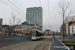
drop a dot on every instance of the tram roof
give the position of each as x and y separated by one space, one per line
37 30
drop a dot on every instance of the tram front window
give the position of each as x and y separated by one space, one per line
34 34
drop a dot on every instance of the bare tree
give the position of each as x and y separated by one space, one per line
13 19
18 21
64 7
10 21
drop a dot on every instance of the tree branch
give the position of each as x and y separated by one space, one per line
60 13
18 21
67 6
10 21
69 13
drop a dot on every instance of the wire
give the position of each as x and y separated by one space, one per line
48 9
54 19
49 14
42 8
10 6
16 7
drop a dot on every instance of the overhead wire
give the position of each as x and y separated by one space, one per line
16 6
48 10
49 14
11 7
42 9
54 19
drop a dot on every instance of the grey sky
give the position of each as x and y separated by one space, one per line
49 21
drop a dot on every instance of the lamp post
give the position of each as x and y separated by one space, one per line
72 30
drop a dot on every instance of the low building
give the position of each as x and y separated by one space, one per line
67 23
63 28
20 29
26 28
72 28
48 32
6 28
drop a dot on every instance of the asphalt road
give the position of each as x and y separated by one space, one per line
12 39
42 44
57 45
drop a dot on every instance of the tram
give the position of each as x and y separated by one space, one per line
36 34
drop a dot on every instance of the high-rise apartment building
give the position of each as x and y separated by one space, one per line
34 15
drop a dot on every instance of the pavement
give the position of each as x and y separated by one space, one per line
42 44
7 40
57 45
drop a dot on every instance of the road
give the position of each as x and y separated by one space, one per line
12 39
42 44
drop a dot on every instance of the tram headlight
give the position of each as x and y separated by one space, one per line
33 36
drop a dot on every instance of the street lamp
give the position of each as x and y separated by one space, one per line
72 30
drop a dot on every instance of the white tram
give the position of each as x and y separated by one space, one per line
36 34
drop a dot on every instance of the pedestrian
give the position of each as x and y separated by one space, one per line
53 34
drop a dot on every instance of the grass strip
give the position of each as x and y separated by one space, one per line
72 42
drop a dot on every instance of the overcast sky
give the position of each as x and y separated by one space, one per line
51 20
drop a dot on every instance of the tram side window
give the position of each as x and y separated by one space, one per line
38 33
34 33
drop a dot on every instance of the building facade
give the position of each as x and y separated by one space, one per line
63 29
26 28
6 28
72 28
67 21
34 15
0 25
48 32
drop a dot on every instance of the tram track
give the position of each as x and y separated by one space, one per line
43 45
29 45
